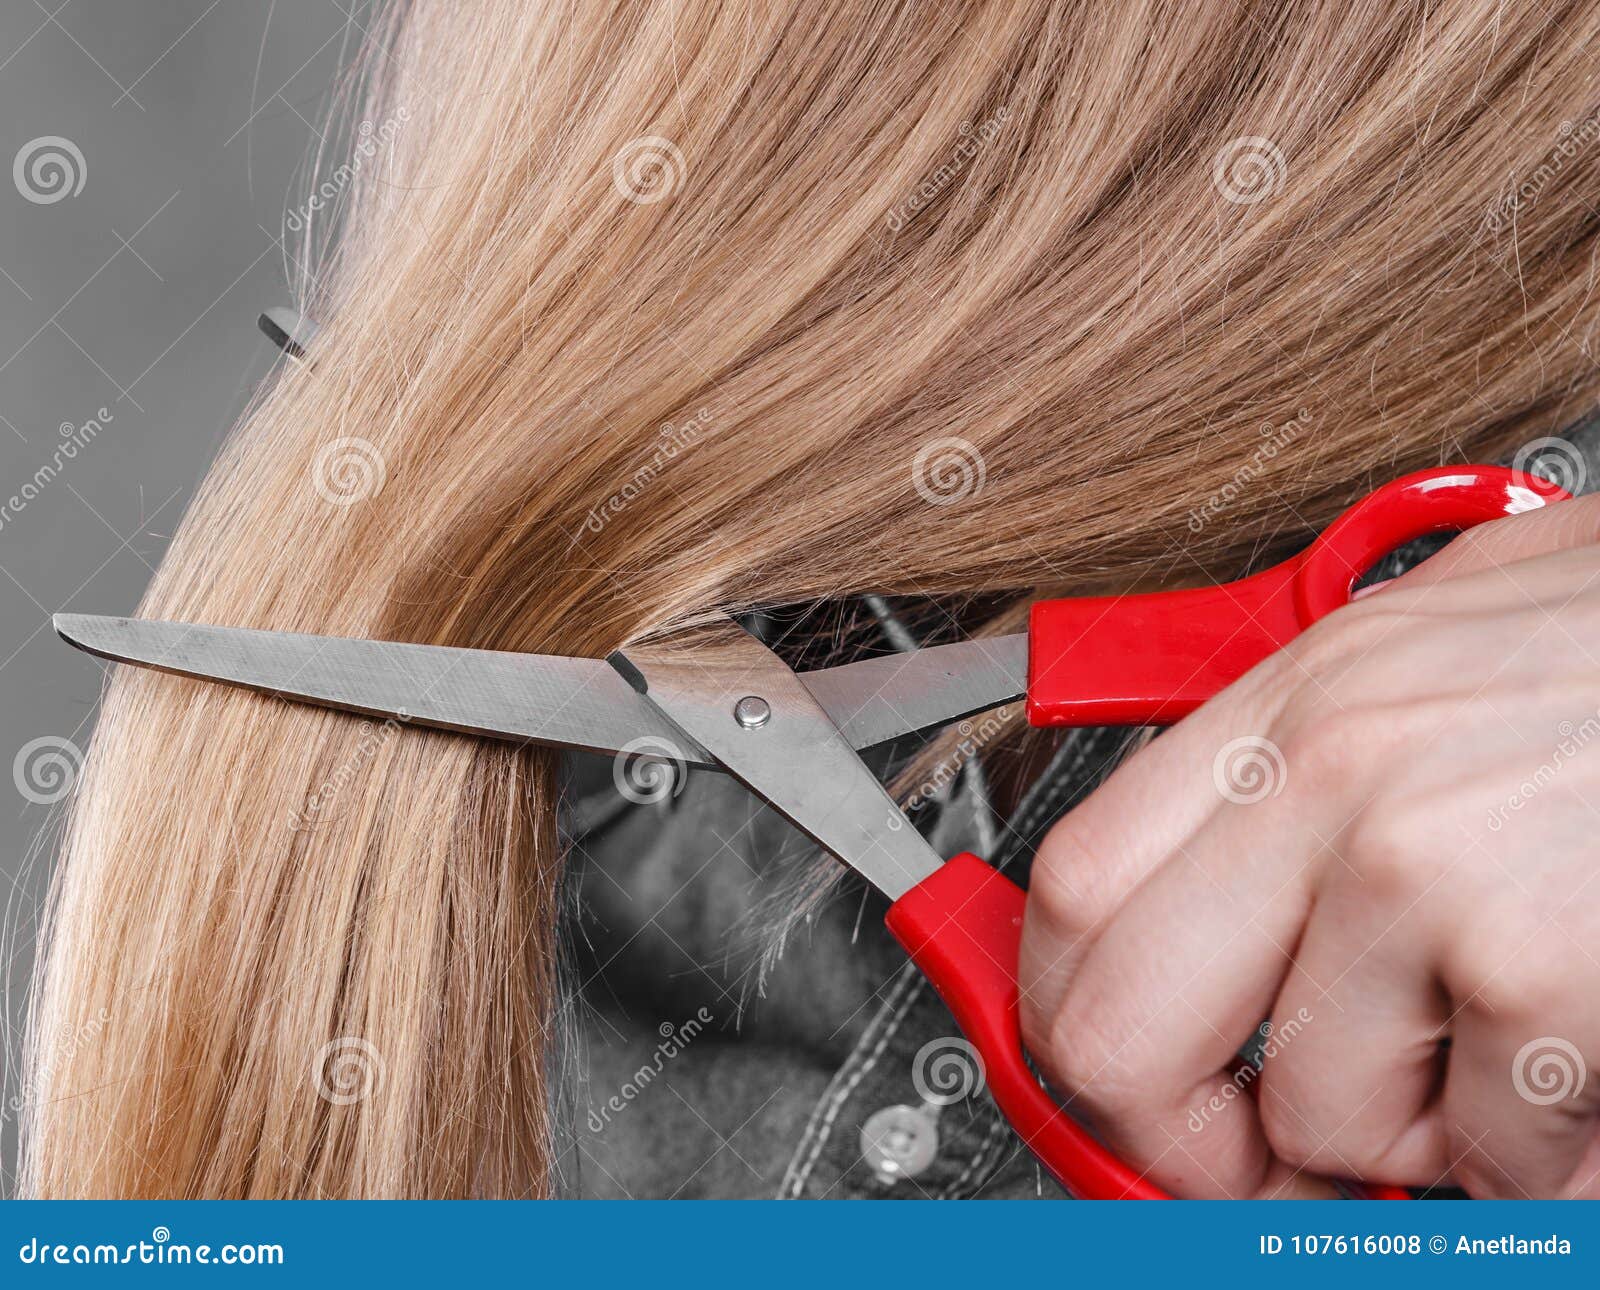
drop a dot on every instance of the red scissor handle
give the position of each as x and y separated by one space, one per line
1152 659
962 926
1149 660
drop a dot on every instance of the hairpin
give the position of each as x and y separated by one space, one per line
290 331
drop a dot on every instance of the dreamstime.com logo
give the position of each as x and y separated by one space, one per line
75 438
948 470
1248 170
975 735
1274 439
49 169
648 169
648 769
674 1039
1249 769
369 139
1548 1070
51 1058
675 439
348 1070
972 141
1573 740
160 1250
1571 140
349 470
947 1070
371 739
1555 460
46 769
1273 1040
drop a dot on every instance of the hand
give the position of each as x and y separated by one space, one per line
1386 840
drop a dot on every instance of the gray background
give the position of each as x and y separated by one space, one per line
137 294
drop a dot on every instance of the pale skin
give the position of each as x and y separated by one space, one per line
1427 869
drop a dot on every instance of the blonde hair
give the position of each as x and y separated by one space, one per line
647 311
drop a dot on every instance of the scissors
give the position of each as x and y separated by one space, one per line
795 738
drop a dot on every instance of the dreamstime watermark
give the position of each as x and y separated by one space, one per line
674 439
1274 439
1572 740
370 138
674 1039
160 1250
48 169
1249 769
948 470
975 735
947 1070
347 471
1548 1070
1248 170
348 1070
1570 141
1555 460
74 439
46 769
648 169
973 139
371 739
649 769
52 1059
1272 1040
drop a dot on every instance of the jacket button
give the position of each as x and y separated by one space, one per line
899 1142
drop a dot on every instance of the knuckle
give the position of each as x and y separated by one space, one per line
1506 986
1093 1063
1329 735
1393 847
1319 1130
1497 972
1291 1136
1325 645
1477 1170
1327 745
1481 1180
1068 886
1330 644
1061 874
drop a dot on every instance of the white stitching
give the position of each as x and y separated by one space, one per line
997 1128
908 988
845 1080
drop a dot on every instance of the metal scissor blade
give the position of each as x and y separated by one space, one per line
878 699
565 702
767 729
548 699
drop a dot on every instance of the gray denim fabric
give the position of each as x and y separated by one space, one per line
770 1096
690 1072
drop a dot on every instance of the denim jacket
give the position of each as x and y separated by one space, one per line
699 1063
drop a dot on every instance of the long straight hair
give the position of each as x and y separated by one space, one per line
642 312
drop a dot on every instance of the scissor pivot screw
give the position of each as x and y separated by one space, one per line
752 712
